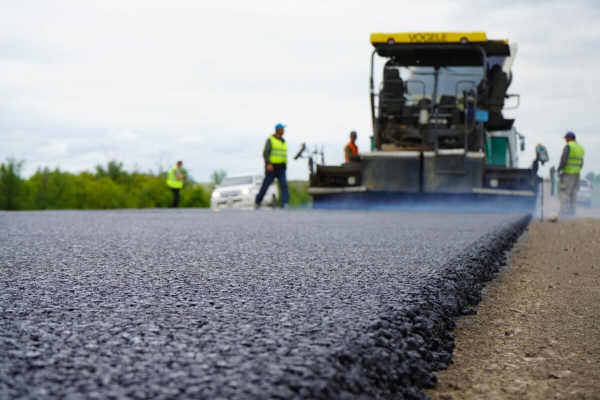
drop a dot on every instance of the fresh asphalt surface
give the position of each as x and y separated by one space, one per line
197 304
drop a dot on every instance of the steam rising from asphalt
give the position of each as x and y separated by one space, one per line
428 203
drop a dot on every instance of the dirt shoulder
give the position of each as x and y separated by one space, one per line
536 334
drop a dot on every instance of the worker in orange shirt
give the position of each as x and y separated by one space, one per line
351 149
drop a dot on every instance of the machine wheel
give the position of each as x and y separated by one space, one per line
273 203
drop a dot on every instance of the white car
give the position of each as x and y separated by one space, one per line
584 196
239 191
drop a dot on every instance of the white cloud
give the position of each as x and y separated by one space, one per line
190 140
124 134
57 148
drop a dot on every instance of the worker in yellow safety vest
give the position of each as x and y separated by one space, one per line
175 179
275 156
569 168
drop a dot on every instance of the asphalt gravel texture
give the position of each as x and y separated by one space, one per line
175 304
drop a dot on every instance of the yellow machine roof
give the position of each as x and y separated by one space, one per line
438 48
430 37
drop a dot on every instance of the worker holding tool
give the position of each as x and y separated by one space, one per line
175 179
351 149
275 155
569 168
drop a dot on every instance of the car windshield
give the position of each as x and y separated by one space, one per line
583 184
238 180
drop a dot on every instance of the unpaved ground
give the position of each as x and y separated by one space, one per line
537 332
551 204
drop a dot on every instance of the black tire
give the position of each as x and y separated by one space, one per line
273 202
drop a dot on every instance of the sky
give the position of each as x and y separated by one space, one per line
151 82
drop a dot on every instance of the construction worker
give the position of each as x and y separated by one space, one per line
351 149
175 179
275 156
569 168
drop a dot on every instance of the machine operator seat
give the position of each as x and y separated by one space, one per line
392 93
498 86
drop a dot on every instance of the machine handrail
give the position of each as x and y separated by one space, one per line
518 96
463 81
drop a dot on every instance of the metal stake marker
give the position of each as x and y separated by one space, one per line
542 206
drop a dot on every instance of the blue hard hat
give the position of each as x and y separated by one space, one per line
570 135
279 126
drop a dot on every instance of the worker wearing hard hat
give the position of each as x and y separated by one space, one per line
175 178
275 156
569 168
351 149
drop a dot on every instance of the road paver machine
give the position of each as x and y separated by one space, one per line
439 132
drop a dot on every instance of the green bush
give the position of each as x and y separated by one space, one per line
108 187
299 197
195 195
11 185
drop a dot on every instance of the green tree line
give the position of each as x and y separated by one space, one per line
107 187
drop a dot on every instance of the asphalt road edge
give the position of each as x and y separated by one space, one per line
398 355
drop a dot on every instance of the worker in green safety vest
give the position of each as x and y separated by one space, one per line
175 179
275 156
569 168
